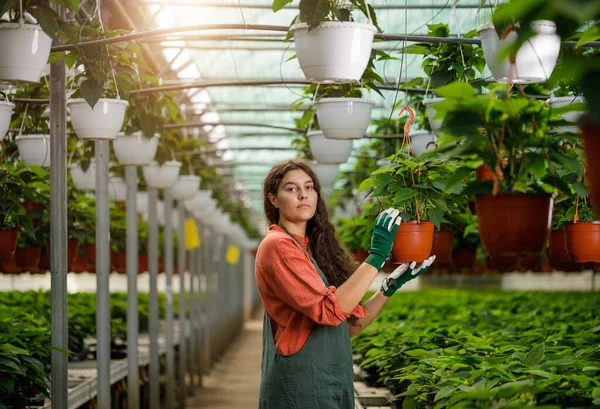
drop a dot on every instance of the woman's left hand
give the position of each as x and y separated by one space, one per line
403 274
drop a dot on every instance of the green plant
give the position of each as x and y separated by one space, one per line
506 132
102 71
415 186
356 232
314 12
12 214
118 229
81 217
32 118
41 10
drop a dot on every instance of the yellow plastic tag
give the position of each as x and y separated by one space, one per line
192 239
233 254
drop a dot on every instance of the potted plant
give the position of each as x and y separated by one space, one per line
6 108
188 183
142 246
163 173
444 64
33 139
103 81
508 134
25 44
331 47
415 186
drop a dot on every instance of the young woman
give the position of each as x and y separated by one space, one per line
311 289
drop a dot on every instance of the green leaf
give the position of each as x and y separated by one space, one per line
366 184
403 194
91 91
580 189
8 384
314 11
535 356
410 403
279 4
47 18
456 90
435 216
444 392
417 353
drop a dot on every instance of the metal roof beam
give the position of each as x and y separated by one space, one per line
269 6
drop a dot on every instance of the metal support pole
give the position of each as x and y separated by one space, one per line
204 254
181 264
58 232
102 276
199 333
153 302
170 392
133 380
193 321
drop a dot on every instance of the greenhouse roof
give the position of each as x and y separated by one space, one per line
244 55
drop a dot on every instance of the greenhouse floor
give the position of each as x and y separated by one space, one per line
235 380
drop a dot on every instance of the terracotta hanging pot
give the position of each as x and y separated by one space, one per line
463 258
8 244
413 242
72 248
591 137
10 267
119 261
33 206
443 241
514 225
558 247
28 259
80 264
583 241
44 264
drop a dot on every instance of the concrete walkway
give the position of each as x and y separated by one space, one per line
234 383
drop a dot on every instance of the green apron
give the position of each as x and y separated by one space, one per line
319 376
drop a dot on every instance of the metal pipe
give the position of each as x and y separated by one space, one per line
199 335
164 31
193 323
181 264
204 335
168 251
292 7
220 83
198 124
133 380
153 302
58 233
102 276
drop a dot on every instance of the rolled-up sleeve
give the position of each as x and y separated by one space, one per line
298 284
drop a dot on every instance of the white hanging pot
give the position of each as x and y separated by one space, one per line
559 102
344 118
135 149
25 49
161 177
6 108
534 61
329 150
102 122
327 174
436 124
422 141
34 149
117 189
84 180
141 201
202 199
333 52
186 187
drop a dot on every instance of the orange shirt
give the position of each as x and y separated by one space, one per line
292 291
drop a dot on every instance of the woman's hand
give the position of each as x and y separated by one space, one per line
382 240
403 274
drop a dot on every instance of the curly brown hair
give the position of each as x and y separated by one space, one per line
325 244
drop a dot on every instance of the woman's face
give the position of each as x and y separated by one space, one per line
296 197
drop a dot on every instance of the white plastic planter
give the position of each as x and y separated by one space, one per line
84 180
186 187
329 150
117 189
161 177
422 141
534 61
201 200
327 174
559 102
102 122
333 52
25 49
6 108
34 149
135 149
435 124
344 118
142 202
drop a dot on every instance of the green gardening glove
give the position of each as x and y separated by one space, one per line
382 240
403 274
